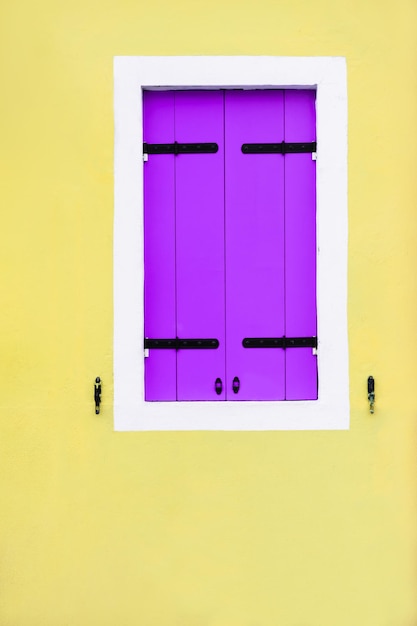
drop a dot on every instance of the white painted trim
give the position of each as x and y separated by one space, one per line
328 76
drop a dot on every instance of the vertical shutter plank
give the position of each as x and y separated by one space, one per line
300 245
199 117
159 242
254 244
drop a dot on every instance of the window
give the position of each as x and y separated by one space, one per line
228 83
230 245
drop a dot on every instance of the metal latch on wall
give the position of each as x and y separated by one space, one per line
97 394
371 394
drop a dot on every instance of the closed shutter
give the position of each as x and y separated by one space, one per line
300 246
230 245
200 244
159 248
255 244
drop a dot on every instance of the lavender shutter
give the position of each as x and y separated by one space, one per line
184 245
159 244
254 245
200 243
230 248
300 246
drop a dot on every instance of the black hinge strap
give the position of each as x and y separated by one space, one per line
182 344
280 342
180 148
278 148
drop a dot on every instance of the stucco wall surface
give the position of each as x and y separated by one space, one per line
197 528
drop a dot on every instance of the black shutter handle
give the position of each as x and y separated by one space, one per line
218 386
236 384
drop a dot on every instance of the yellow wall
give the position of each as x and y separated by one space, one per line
197 529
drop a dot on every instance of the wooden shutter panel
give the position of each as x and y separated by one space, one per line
254 244
300 246
230 245
184 245
159 246
200 243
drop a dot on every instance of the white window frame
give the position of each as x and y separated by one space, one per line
328 76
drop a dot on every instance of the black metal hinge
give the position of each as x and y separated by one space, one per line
280 342
180 148
182 344
278 148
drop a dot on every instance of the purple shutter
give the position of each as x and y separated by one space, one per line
300 246
184 245
200 243
254 244
230 245
159 244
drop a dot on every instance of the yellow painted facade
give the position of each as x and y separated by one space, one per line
195 528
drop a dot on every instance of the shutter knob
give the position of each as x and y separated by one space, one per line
236 384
